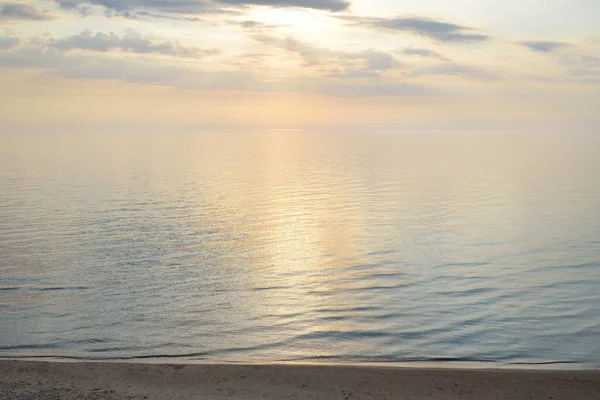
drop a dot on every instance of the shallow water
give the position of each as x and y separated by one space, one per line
301 246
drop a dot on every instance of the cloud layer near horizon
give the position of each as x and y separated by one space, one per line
322 47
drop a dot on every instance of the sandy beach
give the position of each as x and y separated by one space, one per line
94 380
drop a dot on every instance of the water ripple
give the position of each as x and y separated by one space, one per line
402 248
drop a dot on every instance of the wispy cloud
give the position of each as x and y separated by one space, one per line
128 8
328 5
422 26
177 8
385 89
542 46
23 11
251 25
95 63
332 63
131 42
453 69
145 15
98 65
581 62
10 39
415 51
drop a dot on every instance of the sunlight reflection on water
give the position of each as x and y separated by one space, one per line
301 246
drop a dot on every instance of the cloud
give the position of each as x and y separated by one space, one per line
150 15
453 70
389 89
541 46
327 5
22 11
311 54
10 39
162 8
581 64
422 26
131 42
251 25
331 63
576 65
81 7
376 60
569 62
369 64
413 51
148 8
97 65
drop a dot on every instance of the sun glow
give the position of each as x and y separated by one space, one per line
293 20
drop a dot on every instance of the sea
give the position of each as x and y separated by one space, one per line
283 245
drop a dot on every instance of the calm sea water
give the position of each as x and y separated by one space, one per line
295 245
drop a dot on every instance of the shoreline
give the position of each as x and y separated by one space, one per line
28 379
421 364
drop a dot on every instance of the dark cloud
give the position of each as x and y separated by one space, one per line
160 8
81 7
541 46
437 30
131 42
22 11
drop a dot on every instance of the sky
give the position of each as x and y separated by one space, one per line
410 64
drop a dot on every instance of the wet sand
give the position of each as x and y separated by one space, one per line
94 380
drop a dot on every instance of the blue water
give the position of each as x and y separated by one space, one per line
301 245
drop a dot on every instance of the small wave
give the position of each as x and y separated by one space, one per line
339 360
53 345
44 289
